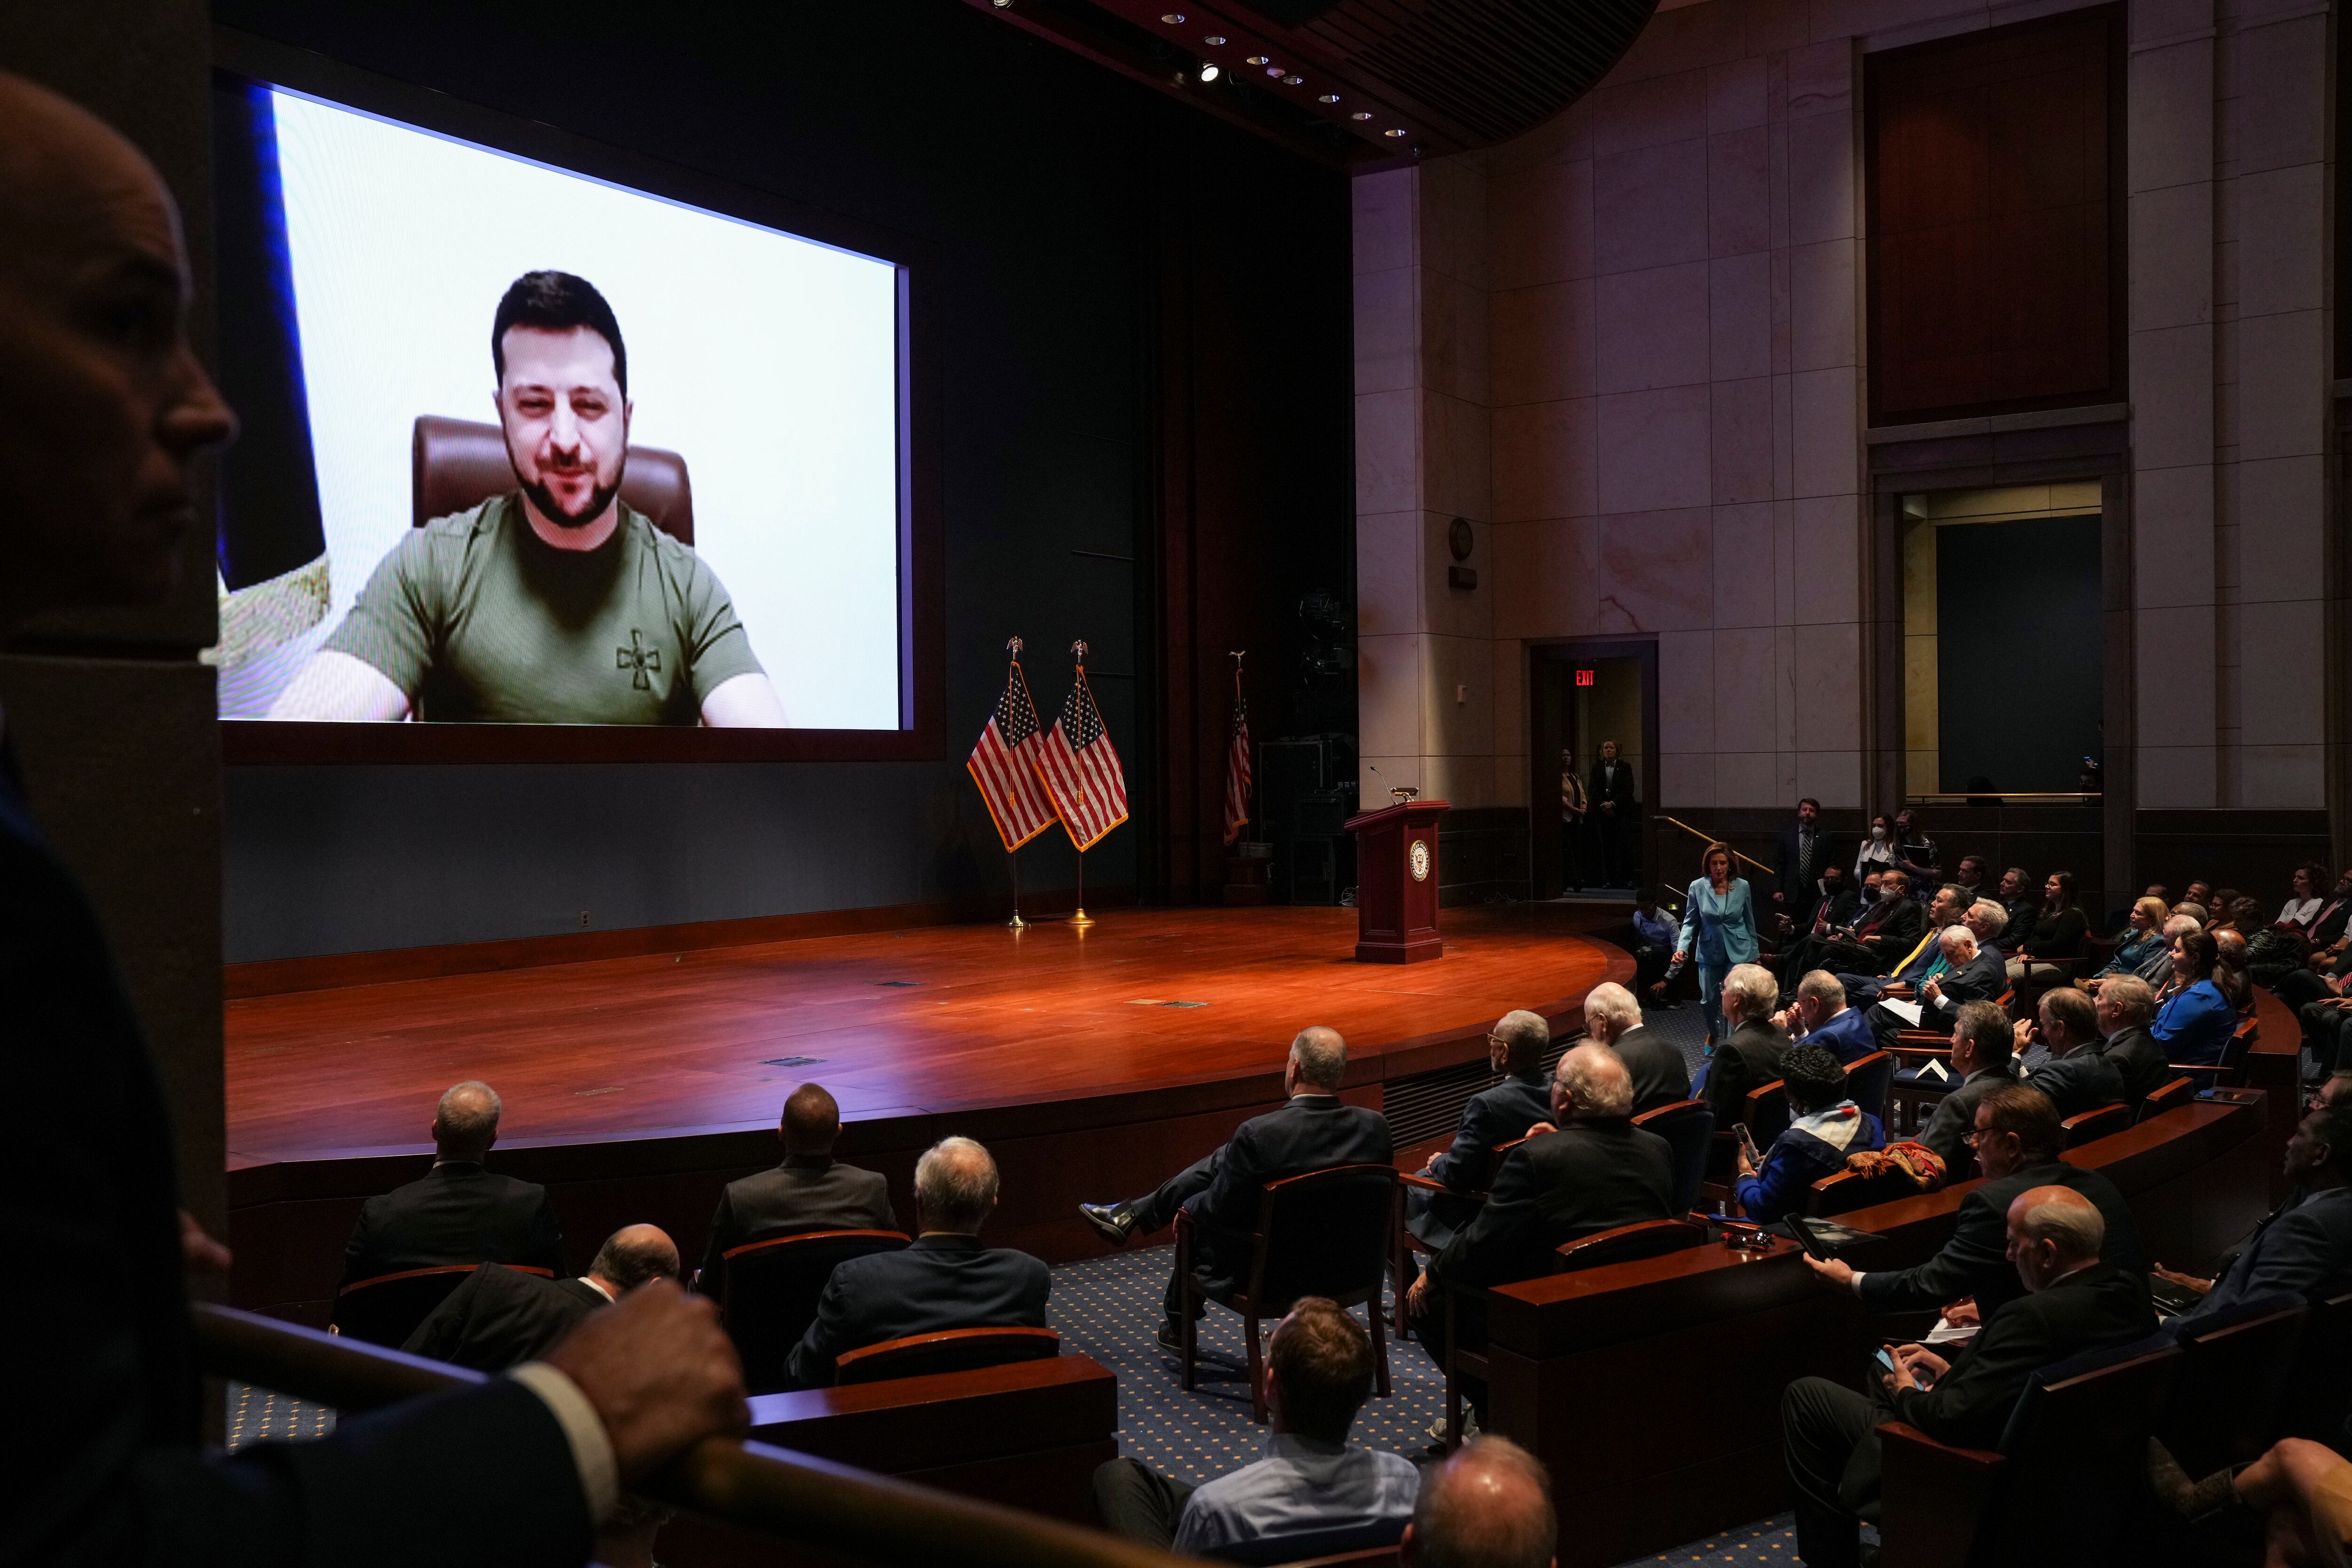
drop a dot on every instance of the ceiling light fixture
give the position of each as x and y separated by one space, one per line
1208 70
1292 80
1362 114
1328 97
1214 39
1257 60
1173 18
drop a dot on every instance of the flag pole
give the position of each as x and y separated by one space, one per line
1013 857
1081 920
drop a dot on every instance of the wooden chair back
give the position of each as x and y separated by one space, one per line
2084 1126
1325 1232
768 1290
1848 1190
1870 1083
1626 1243
2224 1404
2166 1097
1766 1112
2077 1450
947 1350
385 1309
1688 1126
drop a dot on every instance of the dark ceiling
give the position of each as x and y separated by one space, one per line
1356 83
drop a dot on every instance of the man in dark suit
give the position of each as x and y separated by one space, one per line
1888 927
2076 1303
2078 1077
810 1191
1596 1172
1219 1190
1613 1018
1490 1117
2017 1142
1925 959
1611 813
945 1280
2305 1247
457 1211
2126 1006
499 1318
1978 1062
1803 855
1973 972
106 402
1820 1016
1750 1057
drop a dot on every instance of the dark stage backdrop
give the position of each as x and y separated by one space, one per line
1144 439
2019 665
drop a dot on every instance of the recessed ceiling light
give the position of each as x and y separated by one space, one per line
1398 132
1292 80
1257 60
1213 39
1208 70
1362 114
1003 5
1173 18
1328 97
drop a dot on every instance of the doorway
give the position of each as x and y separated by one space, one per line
1592 713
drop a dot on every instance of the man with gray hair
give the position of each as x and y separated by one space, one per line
1490 1117
1489 1505
1594 1172
1313 1131
457 1211
945 1280
1613 1018
1820 1016
1749 1057
2075 1304
1974 971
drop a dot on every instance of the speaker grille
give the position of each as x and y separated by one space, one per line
1429 1104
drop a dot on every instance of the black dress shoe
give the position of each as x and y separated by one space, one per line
1170 1340
1115 1223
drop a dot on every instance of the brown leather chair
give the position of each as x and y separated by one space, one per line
458 463
1402 1265
2167 1097
950 1350
2084 1126
385 1309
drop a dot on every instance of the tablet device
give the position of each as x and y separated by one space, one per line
1808 1238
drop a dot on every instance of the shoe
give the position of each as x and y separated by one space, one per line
1115 1223
1170 1340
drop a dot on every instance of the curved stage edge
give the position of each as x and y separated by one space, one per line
1092 1064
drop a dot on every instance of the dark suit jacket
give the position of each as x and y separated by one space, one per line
1493 1116
116 1476
1311 1132
2022 916
1590 1177
1837 912
2085 1081
940 1282
1893 927
2098 1307
458 1213
1948 1130
1660 1077
2303 1249
2334 916
1980 979
499 1318
792 1199
1749 1059
1619 789
1800 891
2140 1060
1975 1260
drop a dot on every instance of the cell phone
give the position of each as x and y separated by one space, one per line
1885 1360
1746 1142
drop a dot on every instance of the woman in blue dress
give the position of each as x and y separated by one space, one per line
1718 929
2194 1021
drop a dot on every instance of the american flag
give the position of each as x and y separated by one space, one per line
1080 766
1006 762
1237 769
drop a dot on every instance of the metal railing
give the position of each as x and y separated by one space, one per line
1711 838
771 1491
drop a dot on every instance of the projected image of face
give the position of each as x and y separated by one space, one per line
561 398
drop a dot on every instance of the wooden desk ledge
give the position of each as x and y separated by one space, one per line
905 1424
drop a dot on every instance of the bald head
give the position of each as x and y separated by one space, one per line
2052 1232
633 1254
1591 1081
1319 1058
1488 1506
466 1123
99 391
955 1186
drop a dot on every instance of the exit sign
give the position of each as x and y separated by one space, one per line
1584 678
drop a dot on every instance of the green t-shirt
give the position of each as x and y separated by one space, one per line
476 618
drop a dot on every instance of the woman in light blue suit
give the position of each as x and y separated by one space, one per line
1718 929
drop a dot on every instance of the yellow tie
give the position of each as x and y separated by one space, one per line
1932 935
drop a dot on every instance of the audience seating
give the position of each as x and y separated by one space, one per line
2084 1126
1359 1545
2319 1385
1850 1190
387 1309
1688 1126
1870 1083
2230 1070
768 1292
1403 1260
947 1350
2224 1404
2057 1491
1765 1113
1628 1243
1324 1233
2164 1097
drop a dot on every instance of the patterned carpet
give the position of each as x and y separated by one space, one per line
1107 1307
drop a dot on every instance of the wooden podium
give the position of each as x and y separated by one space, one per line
1396 883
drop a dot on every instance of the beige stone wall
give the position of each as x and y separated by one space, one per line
1667 418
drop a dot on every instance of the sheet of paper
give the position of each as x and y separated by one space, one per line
1907 1011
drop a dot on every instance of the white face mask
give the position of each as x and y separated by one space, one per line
1877 835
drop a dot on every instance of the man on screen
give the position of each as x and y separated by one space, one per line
556 603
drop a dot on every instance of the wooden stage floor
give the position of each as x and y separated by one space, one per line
931 1022
636 1088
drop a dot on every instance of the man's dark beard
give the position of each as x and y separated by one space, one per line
544 500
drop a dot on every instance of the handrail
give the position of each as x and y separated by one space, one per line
771 1491
1711 838
1947 797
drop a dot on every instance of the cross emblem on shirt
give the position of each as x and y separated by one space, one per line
637 657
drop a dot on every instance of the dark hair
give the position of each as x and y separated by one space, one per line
556 302
1986 1028
629 1264
2030 1115
2202 950
1978 861
2065 881
1805 801
2320 881
1816 1079
2335 1131
812 1120
1322 1364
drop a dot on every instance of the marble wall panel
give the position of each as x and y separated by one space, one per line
2282 690
1740 436
2286 210
1686 691
1739 191
2281 522
2176 778
1652 327
1736 95
1382 213
1746 780
1821 183
1686 783
1453 232
1739 317
1545 459
1546 343
2171 282
1651 449
1649 112
1388 451
1457 453
1826 536
2169 109
1454 337
1747 707
2280 113
1388 574
2172 537
1445 609
1389 688
1829 686
1387 354
1834 778
1656 570
1821 301
2279 778
2173 664
1541 224
1743 547
1649 207
2282 391
1819 77
1826 414
2172 397
1546 578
